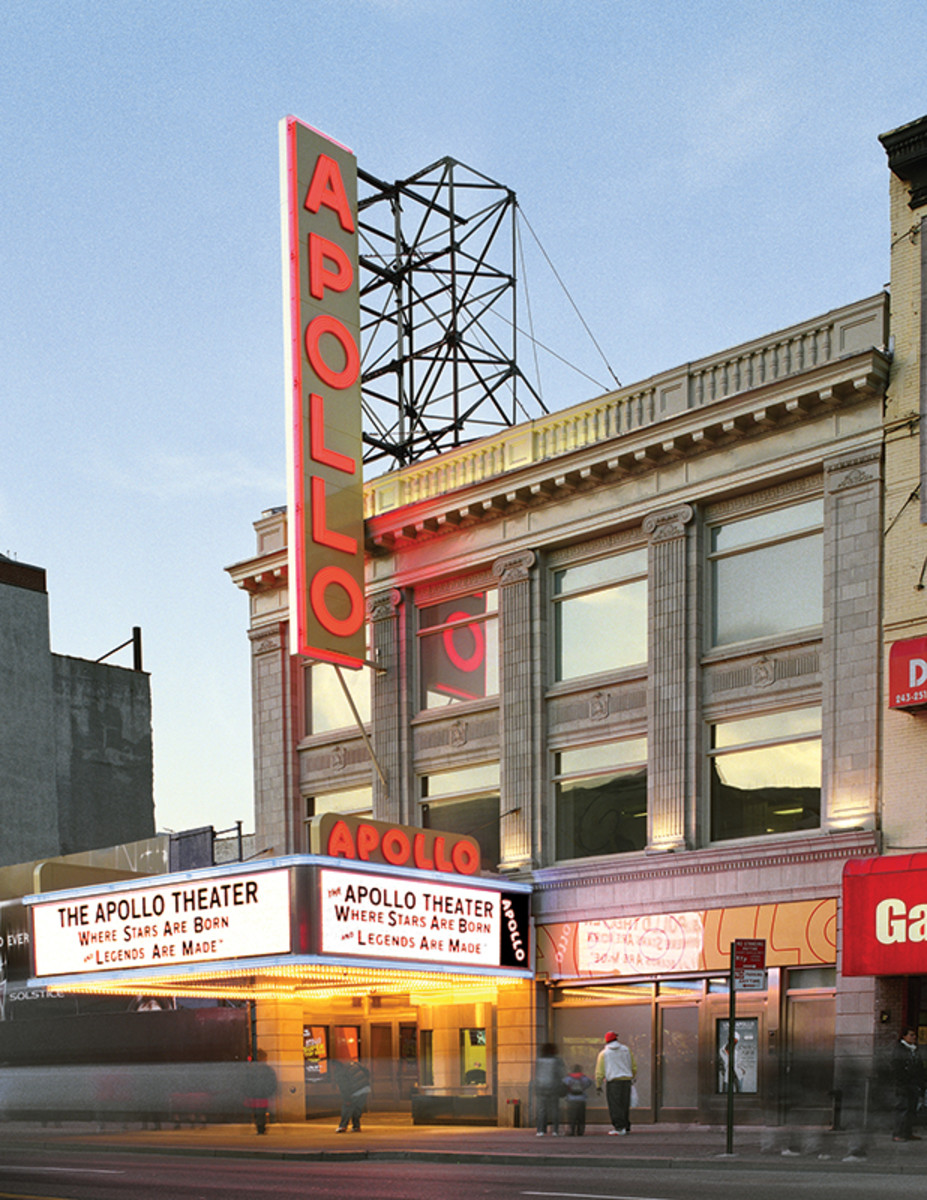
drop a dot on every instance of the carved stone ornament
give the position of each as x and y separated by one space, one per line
764 672
515 568
338 758
854 470
384 604
668 524
598 706
267 645
457 734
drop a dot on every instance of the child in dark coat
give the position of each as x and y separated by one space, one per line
576 1084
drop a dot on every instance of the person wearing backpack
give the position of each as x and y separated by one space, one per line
576 1084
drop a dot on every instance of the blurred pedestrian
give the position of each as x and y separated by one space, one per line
260 1088
616 1068
549 1071
908 1079
353 1082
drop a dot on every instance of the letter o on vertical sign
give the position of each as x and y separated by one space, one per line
332 576
347 376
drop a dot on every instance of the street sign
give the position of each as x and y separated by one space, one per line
749 957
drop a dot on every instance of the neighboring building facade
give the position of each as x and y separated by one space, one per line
634 649
75 737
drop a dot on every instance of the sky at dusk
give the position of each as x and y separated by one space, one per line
699 174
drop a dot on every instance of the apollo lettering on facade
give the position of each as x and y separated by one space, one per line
394 845
325 513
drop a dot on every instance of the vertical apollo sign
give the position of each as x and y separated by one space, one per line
322 310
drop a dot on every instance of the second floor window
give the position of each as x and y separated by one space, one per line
326 706
465 801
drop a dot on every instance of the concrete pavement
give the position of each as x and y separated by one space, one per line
391 1137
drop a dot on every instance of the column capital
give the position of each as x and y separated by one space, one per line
383 605
668 523
514 568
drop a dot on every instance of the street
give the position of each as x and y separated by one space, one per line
65 1175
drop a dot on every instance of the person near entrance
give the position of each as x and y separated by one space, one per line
352 1080
908 1077
548 1088
577 1083
616 1068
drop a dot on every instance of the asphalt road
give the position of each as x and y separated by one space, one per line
63 1175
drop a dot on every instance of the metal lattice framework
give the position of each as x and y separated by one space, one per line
438 313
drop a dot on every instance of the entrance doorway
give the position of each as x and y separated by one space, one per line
676 1091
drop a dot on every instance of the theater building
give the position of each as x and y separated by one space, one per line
631 648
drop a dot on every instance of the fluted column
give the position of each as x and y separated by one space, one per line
668 636
516 725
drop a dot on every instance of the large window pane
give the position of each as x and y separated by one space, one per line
604 814
769 591
476 817
600 614
459 650
327 706
771 788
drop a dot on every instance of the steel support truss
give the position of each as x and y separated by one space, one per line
438 313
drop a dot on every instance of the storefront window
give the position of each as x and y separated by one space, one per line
466 802
459 649
607 599
766 774
746 1054
767 574
601 796
326 705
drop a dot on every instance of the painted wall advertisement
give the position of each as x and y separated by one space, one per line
180 921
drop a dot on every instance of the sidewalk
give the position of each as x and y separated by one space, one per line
388 1136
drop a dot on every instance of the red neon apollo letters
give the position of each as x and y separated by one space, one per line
326 491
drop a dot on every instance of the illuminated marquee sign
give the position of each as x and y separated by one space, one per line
325 485
907 674
339 836
885 916
426 921
180 921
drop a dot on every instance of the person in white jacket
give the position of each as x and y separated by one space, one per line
616 1068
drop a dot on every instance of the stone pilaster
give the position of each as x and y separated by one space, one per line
387 708
668 636
278 824
517 724
852 643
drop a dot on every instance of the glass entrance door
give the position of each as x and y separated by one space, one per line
677 1062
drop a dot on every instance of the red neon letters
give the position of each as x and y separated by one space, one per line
402 848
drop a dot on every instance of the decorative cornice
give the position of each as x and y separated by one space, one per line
906 148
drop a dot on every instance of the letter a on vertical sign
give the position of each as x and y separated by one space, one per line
322 311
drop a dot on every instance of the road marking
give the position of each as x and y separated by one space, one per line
591 1196
69 1170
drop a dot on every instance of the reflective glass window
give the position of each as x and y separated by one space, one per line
608 599
459 649
766 774
601 799
767 574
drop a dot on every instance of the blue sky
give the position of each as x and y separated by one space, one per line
699 173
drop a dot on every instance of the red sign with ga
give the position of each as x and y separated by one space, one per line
885 915
907 674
